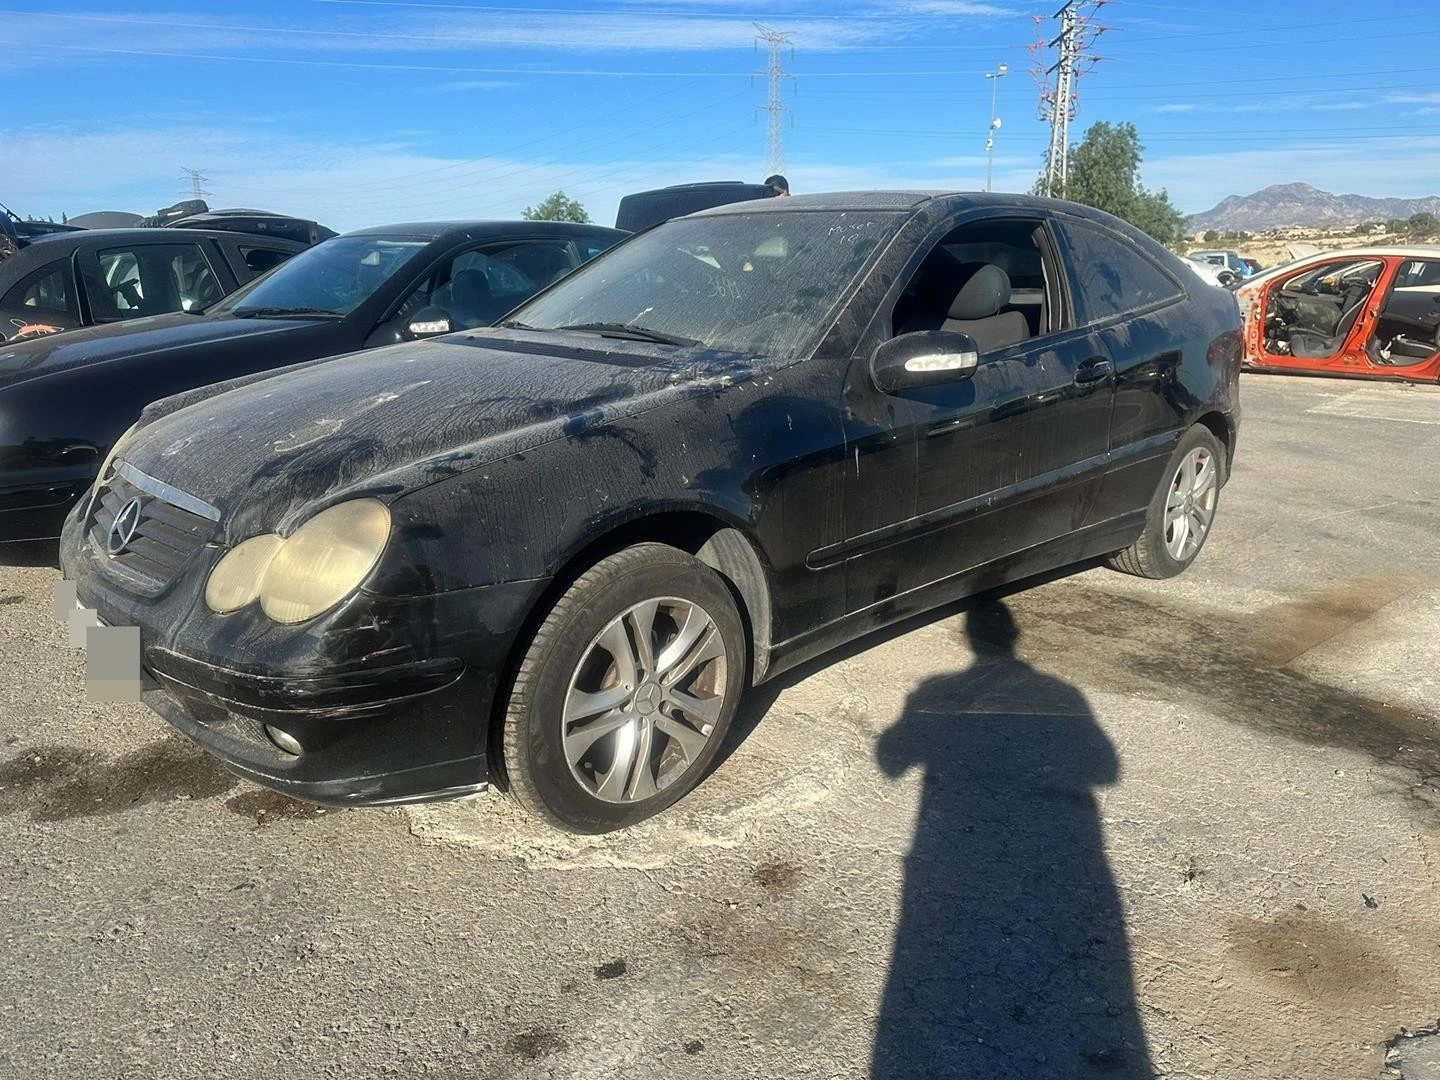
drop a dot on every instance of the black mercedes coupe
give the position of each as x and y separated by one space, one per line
65 398
554 554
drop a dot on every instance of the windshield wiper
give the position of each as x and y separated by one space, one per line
285 313
515 324
632 332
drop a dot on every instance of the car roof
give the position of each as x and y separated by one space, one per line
891 200
436 230
147 234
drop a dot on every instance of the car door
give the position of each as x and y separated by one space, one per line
1403 338
951 477
1126 299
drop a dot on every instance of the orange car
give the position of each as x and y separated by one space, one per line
1370 313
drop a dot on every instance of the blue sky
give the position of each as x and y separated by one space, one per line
358 112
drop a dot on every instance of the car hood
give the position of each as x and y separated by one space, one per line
36 358
389 421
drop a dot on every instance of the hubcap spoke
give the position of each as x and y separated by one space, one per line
690 741
579 742
710 647
1190 503
583 704
642 785
614 783
616 642
705 710
695 624
642 624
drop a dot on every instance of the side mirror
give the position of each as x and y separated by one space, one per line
429 322
924 358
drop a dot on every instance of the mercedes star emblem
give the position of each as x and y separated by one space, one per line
127 521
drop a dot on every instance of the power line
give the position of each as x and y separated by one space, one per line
775 75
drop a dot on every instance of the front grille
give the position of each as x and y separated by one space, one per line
172 526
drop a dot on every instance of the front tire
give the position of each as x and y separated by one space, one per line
1181 512
626 691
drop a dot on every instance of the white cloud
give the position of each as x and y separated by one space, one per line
350 184
1413 99
1177 107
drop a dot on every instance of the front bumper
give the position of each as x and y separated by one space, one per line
388 700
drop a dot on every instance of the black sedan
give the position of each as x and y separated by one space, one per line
72 279
555 553
64 399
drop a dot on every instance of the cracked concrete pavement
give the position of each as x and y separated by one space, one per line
1185 828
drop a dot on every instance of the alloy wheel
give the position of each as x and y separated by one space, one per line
644 700
1190 505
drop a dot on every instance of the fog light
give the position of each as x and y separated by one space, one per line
284 740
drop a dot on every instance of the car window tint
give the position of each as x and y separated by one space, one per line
153 279
589 247
43 291
1110 277
753 283
258 260
40 302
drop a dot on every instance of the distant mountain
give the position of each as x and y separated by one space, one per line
1282 205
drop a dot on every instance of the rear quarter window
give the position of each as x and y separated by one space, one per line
1110 277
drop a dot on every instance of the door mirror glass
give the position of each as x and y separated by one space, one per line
428 322
923 358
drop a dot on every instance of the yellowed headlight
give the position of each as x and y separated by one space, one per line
324 560
235 581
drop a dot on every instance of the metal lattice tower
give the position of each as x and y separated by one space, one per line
774 74
197 183
1059 101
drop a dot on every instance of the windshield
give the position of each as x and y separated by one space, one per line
756 283
335 277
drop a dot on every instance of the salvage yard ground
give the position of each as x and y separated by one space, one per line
1205 810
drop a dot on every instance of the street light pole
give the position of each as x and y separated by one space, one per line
994 77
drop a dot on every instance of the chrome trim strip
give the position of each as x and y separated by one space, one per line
173 495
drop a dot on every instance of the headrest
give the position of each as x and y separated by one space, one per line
470 284
987 291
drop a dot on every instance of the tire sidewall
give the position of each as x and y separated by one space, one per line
570 629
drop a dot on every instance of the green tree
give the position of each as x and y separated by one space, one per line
1422 224
1104 172
1211 236
558 207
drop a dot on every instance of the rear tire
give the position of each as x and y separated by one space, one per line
1181 512
625 692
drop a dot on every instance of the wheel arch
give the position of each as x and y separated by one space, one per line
711 536
1220 426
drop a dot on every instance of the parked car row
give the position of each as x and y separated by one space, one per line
65 398
554 553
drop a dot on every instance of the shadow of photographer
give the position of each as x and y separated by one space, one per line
1011 956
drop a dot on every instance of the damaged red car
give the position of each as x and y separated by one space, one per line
1369 313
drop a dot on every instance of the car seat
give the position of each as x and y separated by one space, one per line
976 311
1313 345
467 298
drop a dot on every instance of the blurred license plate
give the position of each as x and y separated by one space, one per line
112 653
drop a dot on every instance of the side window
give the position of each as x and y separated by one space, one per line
589 248
1110 277
154 279
989 279
43 292
258 259
478 286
